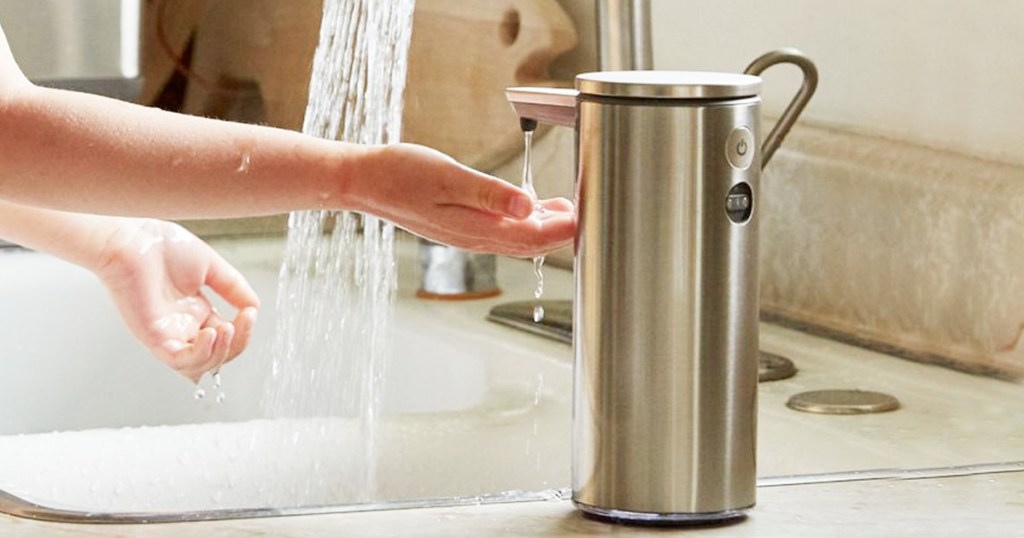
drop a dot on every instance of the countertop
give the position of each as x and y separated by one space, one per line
978 506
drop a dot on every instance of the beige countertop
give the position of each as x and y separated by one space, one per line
978 506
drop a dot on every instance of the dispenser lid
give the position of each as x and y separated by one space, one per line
668 84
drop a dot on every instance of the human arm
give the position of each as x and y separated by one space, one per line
158 275
78 152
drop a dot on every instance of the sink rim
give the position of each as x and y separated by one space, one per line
19 507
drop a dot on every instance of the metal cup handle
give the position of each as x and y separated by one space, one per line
799 102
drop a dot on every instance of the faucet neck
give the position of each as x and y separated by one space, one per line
624 35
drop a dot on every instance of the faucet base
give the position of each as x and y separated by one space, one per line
626 517
460 296
556 324
456 274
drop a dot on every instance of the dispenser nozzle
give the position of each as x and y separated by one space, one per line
556 106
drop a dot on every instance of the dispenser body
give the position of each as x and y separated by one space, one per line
666 316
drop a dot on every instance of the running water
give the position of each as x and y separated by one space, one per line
336 286
538 262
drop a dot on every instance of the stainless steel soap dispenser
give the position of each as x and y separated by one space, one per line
666 310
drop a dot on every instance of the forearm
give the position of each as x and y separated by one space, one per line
89 154
66 150
77 238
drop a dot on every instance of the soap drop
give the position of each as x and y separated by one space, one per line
538 210
527 182
538 292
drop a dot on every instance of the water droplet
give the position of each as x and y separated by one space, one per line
218 384
199 393
538 314
246 161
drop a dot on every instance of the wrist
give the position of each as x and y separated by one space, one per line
355 170
82 239
109 237
343 183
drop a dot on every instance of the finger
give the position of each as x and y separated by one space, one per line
551 228
473 230
557 204
552 232
229 283
188 359
221 348
528 238
222 344
244 322
491 195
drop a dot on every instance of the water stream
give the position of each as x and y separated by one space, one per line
337 282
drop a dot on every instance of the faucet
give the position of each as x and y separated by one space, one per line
454 273
103 60
624 35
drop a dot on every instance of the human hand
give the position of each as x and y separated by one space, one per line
156 271
430 194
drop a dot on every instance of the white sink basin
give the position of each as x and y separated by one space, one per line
94 423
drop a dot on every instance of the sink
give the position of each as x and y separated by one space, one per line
474 412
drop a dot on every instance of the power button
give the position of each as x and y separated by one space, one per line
740 148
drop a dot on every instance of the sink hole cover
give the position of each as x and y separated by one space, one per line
843 402
772 367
